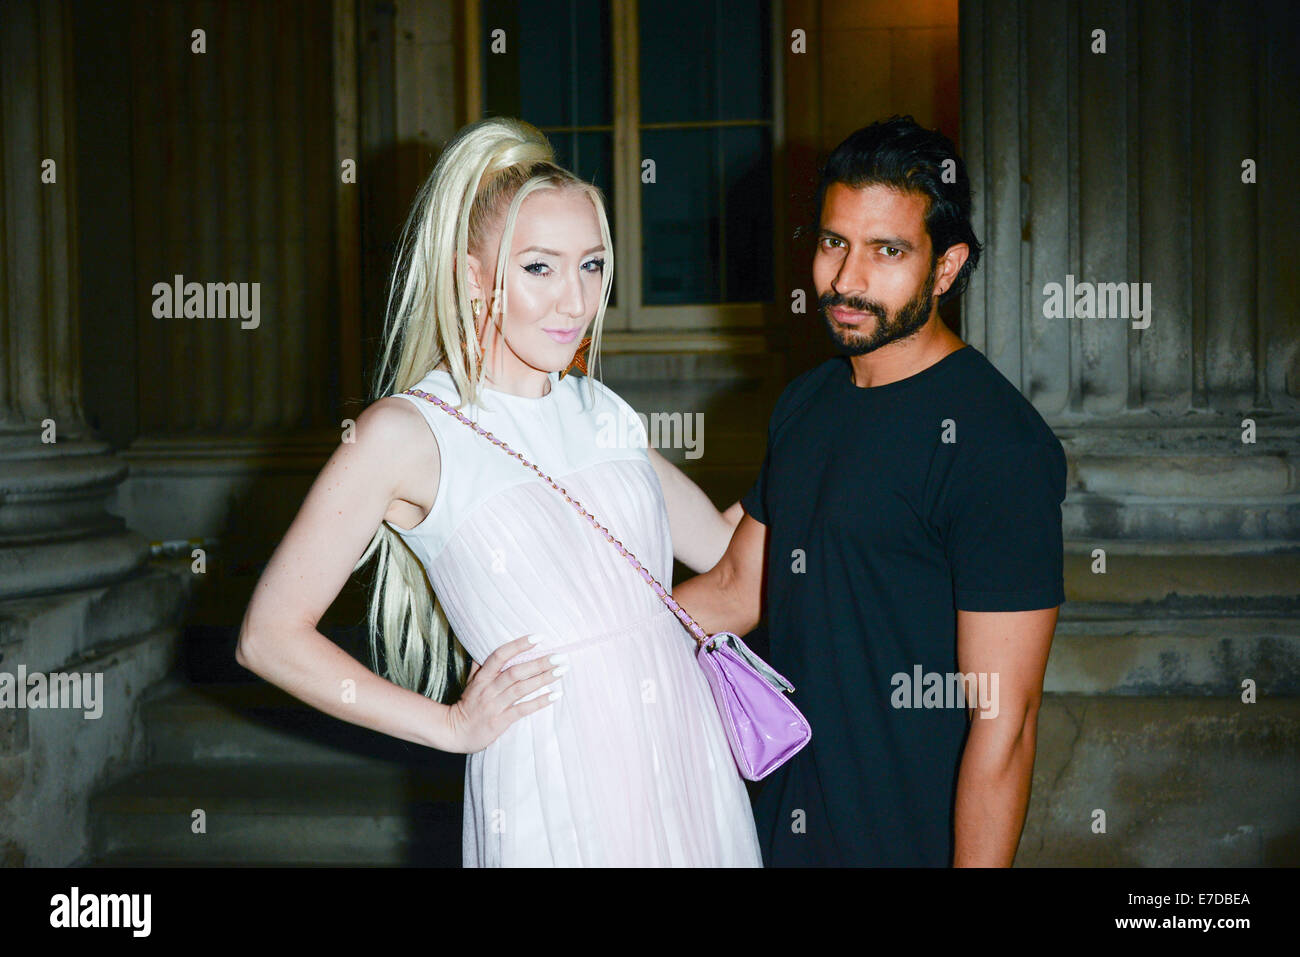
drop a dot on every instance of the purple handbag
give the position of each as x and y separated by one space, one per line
763 726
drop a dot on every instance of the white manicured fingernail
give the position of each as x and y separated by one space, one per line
559 671
559 659
554 695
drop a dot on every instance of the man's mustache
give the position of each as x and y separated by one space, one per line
851 302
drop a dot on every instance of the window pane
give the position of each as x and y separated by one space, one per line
679 218
705 61
555 70
747 205
707 218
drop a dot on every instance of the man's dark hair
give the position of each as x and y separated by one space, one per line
900 153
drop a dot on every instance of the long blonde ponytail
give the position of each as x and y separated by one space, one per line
489 164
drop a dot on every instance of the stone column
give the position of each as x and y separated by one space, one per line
235 180
76 595
1108 142
55 476
1152 143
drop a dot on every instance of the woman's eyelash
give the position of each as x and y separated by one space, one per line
533 267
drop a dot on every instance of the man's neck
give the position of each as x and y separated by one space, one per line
905 357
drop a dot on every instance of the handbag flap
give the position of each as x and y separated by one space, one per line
770 674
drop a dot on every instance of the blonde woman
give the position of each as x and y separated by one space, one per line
591 735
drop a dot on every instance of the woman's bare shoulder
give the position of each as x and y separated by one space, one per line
399 445
394 426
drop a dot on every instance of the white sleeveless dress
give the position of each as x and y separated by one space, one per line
631 766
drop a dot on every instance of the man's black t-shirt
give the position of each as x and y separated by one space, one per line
889 508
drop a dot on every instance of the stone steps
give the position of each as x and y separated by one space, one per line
1183 782
1208 656
280 814
257 722
1181 578
281 785
1157 518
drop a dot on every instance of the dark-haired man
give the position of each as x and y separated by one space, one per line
908 512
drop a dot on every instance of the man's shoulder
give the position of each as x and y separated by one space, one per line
992 412
801 390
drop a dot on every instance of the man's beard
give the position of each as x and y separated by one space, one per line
851 341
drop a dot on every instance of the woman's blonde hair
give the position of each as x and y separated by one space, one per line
482 177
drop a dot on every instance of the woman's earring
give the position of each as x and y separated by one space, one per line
476 305
579 358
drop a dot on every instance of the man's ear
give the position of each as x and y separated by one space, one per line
953 259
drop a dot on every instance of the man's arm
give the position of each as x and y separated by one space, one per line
1011 648
728 597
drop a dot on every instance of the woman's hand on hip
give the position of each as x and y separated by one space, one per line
491 701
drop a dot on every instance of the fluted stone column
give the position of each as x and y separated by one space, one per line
235 180
1151 142
1136 143
76 596
55 477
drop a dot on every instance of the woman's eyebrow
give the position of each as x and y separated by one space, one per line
555 252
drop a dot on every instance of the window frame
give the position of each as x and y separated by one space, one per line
720 326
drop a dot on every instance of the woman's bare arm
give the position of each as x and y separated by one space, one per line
733 515
699 531
391 469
